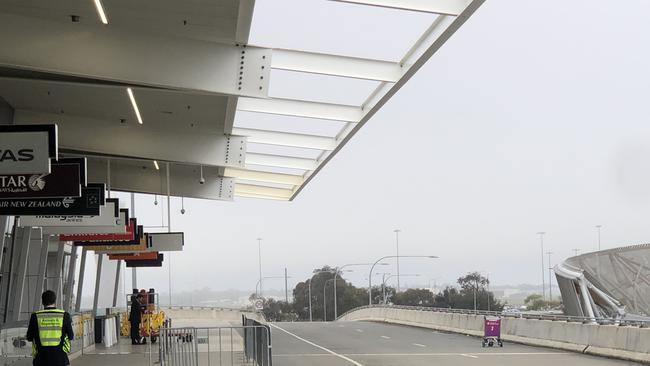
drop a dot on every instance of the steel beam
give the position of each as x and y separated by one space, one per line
321 63
142 177
255 191
260 176
287 139
82 272
17 289
58 279
280 161
42 272
430 42
133 58
446 7
116 289
98 277
301 108
90 136
69 283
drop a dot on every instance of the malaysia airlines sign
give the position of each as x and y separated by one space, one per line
27 149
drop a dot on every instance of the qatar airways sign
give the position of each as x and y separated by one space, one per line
27 149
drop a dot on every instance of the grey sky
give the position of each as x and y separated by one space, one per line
533 117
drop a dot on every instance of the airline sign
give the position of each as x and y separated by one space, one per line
65 180
92 197
111 248
132 235
166 242
146 263
27 149
134 256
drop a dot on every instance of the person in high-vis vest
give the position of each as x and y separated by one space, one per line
50 331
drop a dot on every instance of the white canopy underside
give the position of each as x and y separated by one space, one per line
258 115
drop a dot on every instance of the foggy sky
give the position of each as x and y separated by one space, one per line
533 117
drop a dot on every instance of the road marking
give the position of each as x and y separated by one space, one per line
466 355
359 330
341 326
385 337
317 346
419 345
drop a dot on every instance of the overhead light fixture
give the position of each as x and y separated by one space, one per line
100 11
134 104
155 163
202 180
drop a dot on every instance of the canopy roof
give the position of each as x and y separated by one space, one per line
169 83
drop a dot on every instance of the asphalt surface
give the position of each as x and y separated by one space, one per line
378 344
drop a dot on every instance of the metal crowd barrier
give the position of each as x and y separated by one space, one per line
522 315
234 346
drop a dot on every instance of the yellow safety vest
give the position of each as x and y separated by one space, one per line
50 330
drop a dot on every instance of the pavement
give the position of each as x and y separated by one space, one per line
379 344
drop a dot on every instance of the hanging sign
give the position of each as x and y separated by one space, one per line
134 256
146 263
65 180
92 197
166 242
109 220
27 149
131 236
111 248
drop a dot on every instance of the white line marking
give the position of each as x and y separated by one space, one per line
419 345
385 337
359 330
466 355
317 346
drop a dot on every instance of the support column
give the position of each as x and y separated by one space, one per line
134 270
58 279
100 259
4 224
21 270
42 273
69 283
117 282
82 270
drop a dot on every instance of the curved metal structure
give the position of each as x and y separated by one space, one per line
609 283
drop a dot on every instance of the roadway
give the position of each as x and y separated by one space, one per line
378 344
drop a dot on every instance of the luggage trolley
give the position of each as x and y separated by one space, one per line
492 331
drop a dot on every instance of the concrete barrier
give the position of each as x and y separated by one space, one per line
623 342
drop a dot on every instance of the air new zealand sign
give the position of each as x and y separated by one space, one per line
92 197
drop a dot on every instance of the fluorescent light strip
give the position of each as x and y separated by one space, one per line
135 105
155 163
100 11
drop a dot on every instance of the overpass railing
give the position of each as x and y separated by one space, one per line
521 315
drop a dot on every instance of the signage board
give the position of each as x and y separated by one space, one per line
131 236
27 149
134 256
109 215
146 263
110 248
259 304
65 180
92 197
166 242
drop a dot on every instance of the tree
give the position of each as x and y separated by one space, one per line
536 302
414 297
278 311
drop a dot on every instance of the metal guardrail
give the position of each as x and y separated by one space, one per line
199 307
522 315
235 345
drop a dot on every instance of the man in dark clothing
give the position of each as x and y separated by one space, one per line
50 331
135 316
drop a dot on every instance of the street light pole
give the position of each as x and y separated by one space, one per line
259 254
541 241
310 319
340 270
575 251
397 256
325 299
598 227
550 286
386 257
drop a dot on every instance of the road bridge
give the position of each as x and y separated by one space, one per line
346 343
